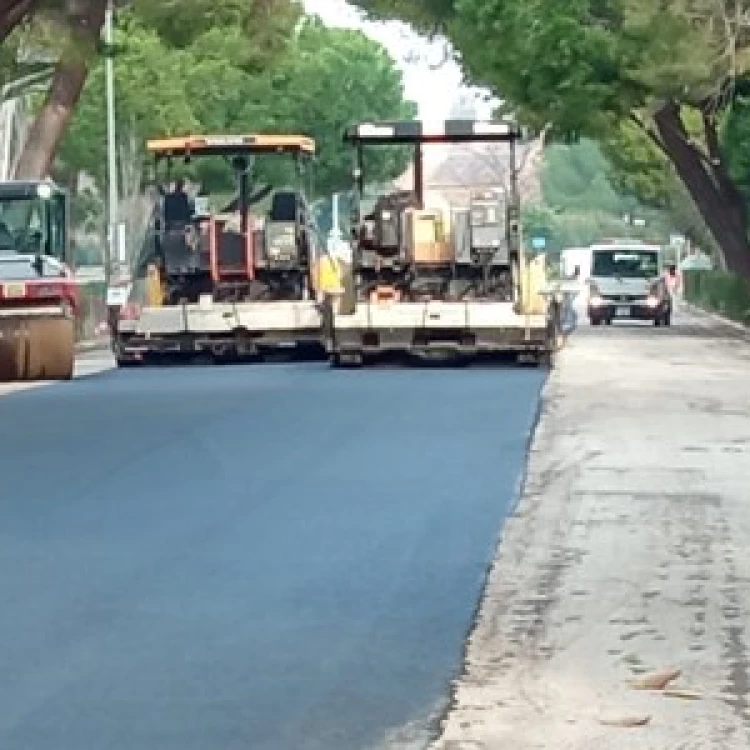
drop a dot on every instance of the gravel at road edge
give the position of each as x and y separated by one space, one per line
628 554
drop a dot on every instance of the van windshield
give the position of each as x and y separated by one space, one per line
625 263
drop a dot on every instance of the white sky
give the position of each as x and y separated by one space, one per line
433 90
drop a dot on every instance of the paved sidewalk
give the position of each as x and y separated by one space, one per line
629 554
90 345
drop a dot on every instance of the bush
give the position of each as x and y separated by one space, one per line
724 293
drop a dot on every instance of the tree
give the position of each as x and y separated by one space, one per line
78 24
575 178
152 99
735 136
265 25
323 80
178 78
432 16
333 78
580 204
13 13
588 66
83 21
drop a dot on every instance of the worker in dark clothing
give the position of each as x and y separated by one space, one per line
177 208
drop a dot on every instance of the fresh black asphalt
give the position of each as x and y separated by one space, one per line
278 557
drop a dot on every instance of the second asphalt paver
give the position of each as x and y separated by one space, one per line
627 555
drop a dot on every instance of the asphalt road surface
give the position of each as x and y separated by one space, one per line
277 557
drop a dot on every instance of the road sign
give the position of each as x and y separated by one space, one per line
538 242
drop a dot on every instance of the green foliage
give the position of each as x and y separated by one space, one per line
580 204
580 65
427 15
636 166
336 77
265 25
580 228
527 50
238 67
723 293
575 178
735 137
151 99
595 67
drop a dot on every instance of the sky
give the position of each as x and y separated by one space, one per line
420 82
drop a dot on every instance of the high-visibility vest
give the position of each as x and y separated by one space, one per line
329 277
154 288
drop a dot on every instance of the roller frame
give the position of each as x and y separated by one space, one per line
36 344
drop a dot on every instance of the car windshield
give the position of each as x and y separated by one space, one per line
626 263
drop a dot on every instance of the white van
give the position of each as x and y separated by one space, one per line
626 282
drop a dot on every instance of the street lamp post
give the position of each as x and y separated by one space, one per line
112 217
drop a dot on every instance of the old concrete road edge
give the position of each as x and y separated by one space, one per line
625 557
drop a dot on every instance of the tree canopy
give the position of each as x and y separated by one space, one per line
593 67
217 69
580 203
575 179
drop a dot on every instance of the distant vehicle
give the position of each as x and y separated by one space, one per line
572 258
626 282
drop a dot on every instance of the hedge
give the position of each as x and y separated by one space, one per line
717 291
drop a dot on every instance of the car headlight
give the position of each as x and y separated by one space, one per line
651 301
596 301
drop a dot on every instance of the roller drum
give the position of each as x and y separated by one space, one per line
34 349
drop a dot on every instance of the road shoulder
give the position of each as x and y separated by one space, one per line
89 361
627 555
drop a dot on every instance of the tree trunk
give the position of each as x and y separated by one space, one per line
52 120
12 13
715 197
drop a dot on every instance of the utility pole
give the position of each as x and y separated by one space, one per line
334 235
112 246
335 218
